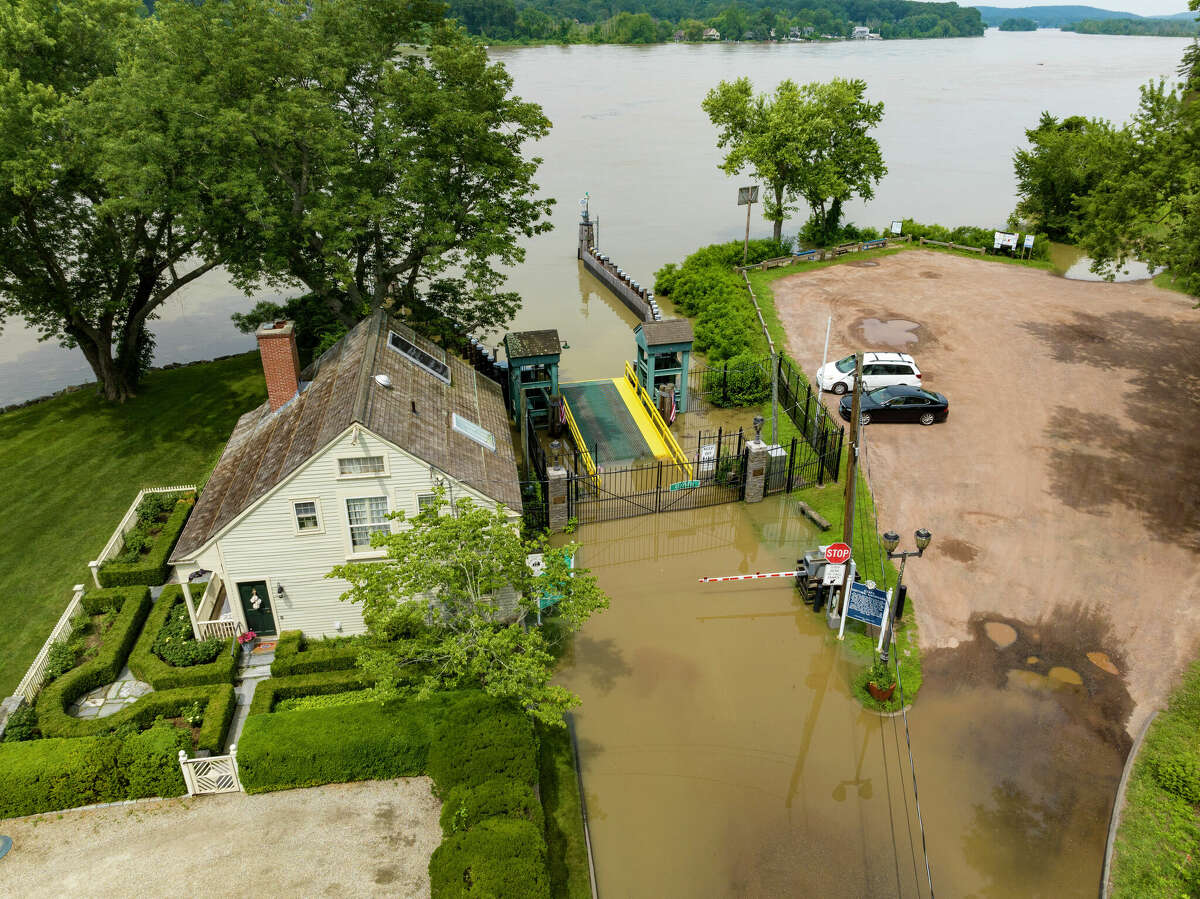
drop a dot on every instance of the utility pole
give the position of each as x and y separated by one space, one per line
851 473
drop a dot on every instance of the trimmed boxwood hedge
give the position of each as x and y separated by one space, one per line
47 775
273 689
367 741
479 739
499 857
103 668
152 568
163 675
294 655
465 806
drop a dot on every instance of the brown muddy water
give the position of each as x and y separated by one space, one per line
723 754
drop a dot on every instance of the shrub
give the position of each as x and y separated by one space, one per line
499 857
1174 760
970 236
150 761
169 616
360 742
327 701
21 725
60 660
104 667
45 775
479 739
296 655
744 380
149 566
466 806
271 691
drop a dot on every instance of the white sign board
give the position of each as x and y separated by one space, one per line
834 575
1029 241
897 227
1004 239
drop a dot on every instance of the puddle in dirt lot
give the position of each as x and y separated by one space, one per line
891 334
723 754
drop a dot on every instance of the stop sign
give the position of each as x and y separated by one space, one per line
837 553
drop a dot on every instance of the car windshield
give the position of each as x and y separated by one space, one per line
845 365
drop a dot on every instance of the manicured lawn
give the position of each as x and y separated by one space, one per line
73 464
1158 843
568 863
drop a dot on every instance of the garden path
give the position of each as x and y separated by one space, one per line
110 698
254 666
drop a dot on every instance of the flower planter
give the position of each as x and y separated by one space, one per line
880 694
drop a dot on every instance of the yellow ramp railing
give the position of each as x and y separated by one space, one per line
586 454
677 454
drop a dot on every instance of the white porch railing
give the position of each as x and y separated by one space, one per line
36 675
117 540
222 627
214 774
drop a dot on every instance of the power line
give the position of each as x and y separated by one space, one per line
912 766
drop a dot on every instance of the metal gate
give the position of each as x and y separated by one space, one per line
214 774
656 487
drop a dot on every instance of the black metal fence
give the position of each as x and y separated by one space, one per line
746 383
715 473
823 434
535 489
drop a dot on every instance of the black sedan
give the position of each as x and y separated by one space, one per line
898 404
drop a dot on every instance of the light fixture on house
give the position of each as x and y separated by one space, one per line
337 626
279 591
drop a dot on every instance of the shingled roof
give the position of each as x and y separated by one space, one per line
338 390
669 330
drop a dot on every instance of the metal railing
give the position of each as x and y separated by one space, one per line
678 456
35 677
117 540
581 446
222 627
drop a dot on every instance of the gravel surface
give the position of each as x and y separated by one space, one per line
363 839
1063 492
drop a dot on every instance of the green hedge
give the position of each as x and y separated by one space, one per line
360 742
466 806
499 857
971 236
47 775
162 675
103 668
295 655
273 689
479 739
151 568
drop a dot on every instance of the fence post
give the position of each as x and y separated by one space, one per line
188 780
837 459
725 382
807 404
717 464
658 489
791 464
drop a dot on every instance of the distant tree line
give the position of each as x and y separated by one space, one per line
659 21
1152 27
1018 25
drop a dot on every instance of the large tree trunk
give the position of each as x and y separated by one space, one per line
777 233
115 381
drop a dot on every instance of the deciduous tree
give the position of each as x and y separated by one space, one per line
434 616
809 142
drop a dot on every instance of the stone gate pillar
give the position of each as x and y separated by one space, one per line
756 471
556 499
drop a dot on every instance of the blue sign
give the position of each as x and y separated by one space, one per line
867 604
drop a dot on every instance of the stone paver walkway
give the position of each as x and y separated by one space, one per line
111 698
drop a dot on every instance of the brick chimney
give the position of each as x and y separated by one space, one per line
281 361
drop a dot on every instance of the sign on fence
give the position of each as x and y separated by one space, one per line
684 485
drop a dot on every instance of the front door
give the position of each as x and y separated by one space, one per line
256 605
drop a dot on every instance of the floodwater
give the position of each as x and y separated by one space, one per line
723 754
628 128
1071 262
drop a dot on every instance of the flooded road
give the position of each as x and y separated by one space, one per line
723 754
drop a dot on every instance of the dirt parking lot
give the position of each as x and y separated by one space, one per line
1065 485
363 839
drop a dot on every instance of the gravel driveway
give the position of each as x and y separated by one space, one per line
1064 490
363 839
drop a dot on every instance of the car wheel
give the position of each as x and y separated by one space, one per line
839 388
864 418
926 418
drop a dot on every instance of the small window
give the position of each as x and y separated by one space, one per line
306 516
366 515
426 501
357 465
419 357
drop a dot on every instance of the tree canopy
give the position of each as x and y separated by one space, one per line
436 616
807 142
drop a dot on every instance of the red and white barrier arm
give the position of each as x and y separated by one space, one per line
748 577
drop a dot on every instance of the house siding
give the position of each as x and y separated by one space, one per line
264 544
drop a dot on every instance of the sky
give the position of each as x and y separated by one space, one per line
1139 7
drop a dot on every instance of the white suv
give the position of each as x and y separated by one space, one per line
879 370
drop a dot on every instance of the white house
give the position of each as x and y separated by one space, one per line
371 427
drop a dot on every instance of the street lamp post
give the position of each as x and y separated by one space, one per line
890 541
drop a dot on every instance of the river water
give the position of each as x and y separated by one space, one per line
628 128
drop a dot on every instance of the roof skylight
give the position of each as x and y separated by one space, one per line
419 357
475 432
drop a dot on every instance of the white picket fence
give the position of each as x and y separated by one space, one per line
117 540
222 627
36 675
214 774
